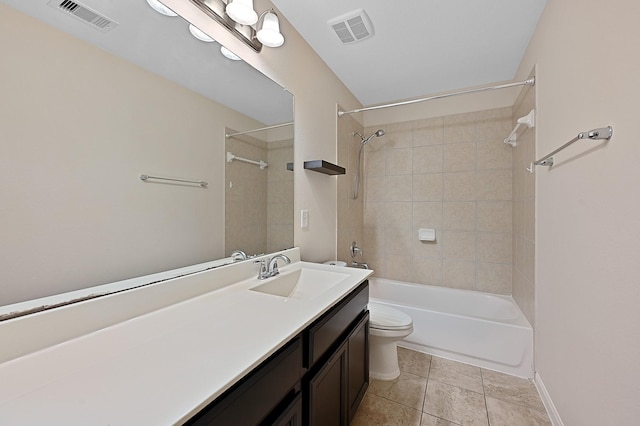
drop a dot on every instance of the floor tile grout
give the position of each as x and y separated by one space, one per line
451 375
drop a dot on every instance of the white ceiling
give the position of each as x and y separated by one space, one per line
420 47
164 46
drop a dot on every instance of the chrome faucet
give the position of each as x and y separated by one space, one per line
362 265
239 255
270 269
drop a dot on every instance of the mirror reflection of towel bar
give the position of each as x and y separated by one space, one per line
200 182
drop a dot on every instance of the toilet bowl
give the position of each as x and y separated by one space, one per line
386 327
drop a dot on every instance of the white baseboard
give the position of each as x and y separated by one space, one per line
554 416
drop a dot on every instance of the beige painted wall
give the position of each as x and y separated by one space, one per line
78 127
588 210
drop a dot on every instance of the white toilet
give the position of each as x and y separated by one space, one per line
386 327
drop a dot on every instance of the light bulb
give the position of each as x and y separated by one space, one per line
229 54
242 12
199 34
161 8
269 34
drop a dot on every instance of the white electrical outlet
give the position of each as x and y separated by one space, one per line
304 218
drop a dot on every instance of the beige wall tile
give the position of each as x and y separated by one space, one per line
494 155
427 215
399 267
398 241
427 159
529 221
459 157
374 162
459 274
459 216
427 187
373 188
494 247
459 245
428 248
398 215
374 214
494 185
493 278
459 128
494 129
377 263
428 132
494 216
428 270
399 188
459 186
397 135
431 181
373 241
399 161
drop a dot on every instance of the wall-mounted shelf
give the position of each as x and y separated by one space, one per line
325 167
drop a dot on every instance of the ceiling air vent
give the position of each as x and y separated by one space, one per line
353 26
85 14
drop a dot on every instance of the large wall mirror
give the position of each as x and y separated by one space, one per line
86 111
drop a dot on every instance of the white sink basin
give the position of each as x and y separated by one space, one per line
301 283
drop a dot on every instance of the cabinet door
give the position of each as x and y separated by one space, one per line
358 364
327 392
292 416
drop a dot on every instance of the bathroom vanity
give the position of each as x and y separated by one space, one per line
318 378
214 347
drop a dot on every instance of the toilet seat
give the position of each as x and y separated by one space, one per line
382 317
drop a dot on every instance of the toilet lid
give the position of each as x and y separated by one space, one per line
384 317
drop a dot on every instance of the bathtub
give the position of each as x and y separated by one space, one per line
472 327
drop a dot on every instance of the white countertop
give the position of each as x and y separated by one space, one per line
163 366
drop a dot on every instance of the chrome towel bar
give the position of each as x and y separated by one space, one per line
201 183
603 133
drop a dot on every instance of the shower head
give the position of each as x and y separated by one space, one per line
364 141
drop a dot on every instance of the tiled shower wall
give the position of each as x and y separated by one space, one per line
350 211
245 197
524 209
453 174
279 196
258 203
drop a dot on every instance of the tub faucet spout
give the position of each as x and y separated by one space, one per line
362 265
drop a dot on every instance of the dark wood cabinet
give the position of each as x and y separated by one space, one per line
336 389
292 415
358 365
319 378
327 393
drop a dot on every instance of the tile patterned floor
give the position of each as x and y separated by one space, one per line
434 391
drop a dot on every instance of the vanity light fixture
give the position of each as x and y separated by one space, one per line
161 8
269 33
199 34
240 18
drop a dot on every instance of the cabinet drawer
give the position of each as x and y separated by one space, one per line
250 401
330 327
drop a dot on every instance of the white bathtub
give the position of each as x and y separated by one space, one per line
477 328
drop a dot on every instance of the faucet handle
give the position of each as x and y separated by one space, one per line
262 272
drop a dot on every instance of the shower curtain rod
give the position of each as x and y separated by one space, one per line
529 82
275 126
